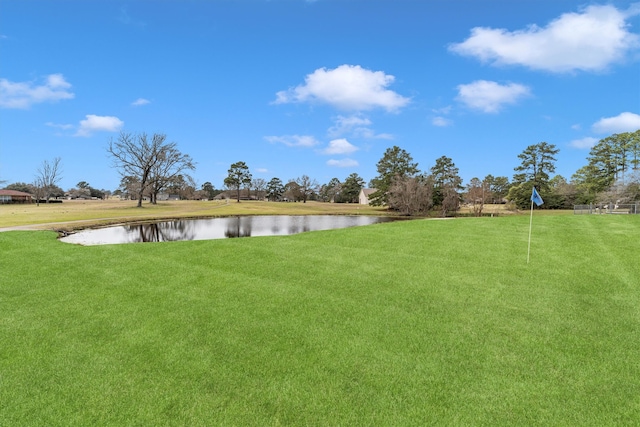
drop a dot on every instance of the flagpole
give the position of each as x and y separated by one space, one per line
530 224
535 198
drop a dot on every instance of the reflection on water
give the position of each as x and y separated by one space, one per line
161 231
218 228
239 226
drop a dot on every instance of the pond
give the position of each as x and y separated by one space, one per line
218 228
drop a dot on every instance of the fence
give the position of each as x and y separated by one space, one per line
607 208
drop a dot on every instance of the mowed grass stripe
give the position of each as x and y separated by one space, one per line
406 323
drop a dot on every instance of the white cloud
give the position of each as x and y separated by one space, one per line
59 126
94 123
24 94
262 170
623 122
340 146
347 125
140 101
343 163
590 41
293 140
356 126
442 110
490 97
367 133
441 121
347 87
587 142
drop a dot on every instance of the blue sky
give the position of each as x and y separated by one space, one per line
321 88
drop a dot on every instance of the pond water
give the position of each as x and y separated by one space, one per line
218 228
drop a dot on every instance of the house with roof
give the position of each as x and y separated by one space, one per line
167 196
363 197
13 196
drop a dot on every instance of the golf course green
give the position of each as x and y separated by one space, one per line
409 323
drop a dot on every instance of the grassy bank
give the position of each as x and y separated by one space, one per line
409 323
78 214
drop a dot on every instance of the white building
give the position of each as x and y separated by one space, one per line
363 197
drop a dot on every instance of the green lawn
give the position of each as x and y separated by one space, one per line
407 323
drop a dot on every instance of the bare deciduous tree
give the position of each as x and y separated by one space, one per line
450 202
136 156
307 186
171 164
47 176
259 185
150 161
411 195
477 195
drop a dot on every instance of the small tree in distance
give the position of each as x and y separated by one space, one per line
446 183
238 176
209 190
498 188
330 192
47 176
395 163
275 189
306 186
538 161
477 194
292 191
259 185
351 188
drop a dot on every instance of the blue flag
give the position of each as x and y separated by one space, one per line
535 197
